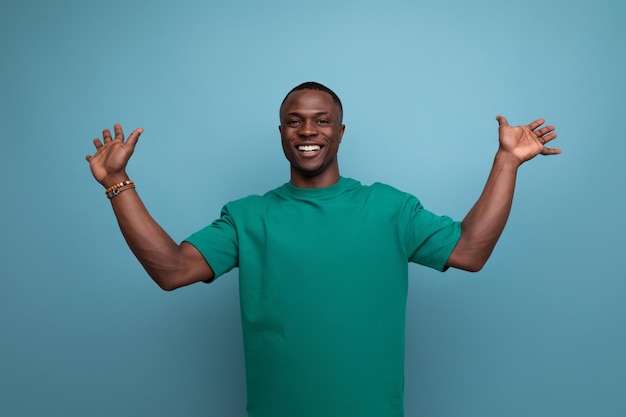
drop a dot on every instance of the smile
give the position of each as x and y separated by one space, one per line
309 148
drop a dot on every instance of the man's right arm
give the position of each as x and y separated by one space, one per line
170 265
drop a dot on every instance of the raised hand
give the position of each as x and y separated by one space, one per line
108 164
484 223
526 142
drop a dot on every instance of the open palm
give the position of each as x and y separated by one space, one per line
108 164
526 142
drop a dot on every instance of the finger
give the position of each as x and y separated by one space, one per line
543 133
134 137
119 133
550 151
544 130
534 125
548 138
502 121
97 143
106 135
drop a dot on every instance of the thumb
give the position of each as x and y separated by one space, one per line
133 137
502 121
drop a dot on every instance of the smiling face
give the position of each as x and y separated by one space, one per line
311 131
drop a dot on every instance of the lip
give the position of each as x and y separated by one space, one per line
309 154
321 145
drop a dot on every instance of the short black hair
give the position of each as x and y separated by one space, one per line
312 85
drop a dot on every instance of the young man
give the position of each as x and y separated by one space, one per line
322 260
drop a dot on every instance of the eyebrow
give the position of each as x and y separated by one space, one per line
319 113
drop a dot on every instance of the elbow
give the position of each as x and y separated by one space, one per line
467 263
469 256
474 267
166 283
167 287
175 280
475 264
468 268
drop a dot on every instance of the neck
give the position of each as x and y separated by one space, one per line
325 179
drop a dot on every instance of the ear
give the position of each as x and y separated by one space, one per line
280 129
341 130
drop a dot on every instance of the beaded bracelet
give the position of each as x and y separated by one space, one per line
118 185
117 190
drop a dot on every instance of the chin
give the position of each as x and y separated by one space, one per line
310 173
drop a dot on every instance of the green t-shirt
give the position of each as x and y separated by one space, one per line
323 286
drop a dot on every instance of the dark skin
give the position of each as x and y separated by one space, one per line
311 131
169 264
484 223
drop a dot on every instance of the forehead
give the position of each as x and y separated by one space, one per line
309 101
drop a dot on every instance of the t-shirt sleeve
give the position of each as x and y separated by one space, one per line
218 243
430 239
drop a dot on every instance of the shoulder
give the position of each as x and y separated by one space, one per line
254 202
388 193
385 189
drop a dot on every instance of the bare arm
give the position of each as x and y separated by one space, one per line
170 265
484 223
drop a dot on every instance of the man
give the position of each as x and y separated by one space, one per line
323 260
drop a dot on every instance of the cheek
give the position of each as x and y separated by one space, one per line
288 150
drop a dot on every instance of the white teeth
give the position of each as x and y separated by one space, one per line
308 148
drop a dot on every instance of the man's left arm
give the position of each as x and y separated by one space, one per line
483 224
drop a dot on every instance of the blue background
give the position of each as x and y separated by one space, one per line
84 331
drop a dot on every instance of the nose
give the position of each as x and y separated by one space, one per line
308 129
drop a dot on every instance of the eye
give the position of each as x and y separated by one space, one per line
323 122
293 122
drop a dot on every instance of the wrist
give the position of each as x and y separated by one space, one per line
117 188
507 160
111 180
